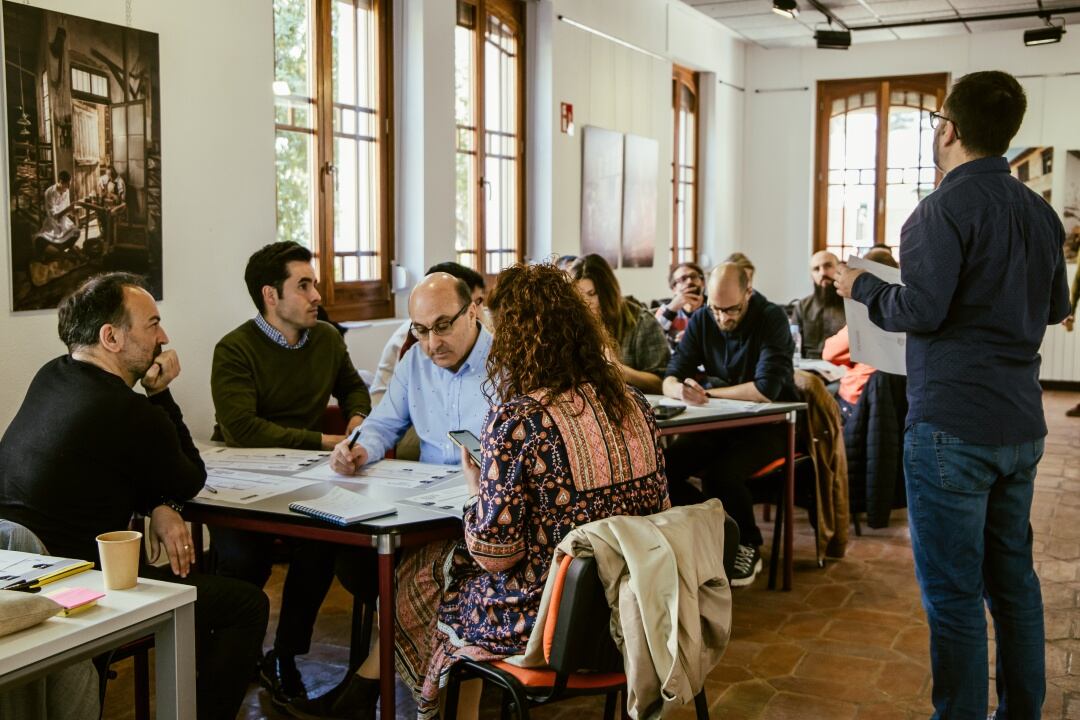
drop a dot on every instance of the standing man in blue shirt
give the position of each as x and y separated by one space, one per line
984 274
436 388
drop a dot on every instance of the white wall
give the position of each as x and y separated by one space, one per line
217 187
618 88
779 138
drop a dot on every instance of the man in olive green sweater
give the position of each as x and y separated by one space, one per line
271 380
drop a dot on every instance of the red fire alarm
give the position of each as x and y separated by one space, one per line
566 113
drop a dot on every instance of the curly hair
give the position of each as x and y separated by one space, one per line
547 340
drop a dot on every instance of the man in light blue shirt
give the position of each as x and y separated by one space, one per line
436 387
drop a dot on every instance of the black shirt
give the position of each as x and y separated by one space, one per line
984 273
85 451
758 350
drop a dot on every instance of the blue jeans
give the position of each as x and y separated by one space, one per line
968 509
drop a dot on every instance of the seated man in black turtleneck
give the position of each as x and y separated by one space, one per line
743 343
85 452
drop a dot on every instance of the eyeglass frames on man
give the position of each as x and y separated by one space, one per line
442 327
936 118
679 279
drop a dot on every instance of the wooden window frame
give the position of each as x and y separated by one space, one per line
363 299
830 90
511 12
684 77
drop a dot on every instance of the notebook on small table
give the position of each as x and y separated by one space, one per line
342 507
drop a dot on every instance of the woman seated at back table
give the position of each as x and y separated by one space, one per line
562 413
641 349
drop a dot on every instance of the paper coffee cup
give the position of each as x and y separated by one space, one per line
119 553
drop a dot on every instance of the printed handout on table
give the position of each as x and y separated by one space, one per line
870 344
265 459
447 500
388 473
720 404
244 488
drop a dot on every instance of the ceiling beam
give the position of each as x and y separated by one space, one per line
1044 13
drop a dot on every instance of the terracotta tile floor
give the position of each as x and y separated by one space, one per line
850 640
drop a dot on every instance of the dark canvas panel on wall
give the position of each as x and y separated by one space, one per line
640 168
84 152
601 193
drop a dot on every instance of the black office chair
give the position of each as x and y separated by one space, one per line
581 654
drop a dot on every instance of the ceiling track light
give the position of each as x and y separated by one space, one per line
787 8
1045 35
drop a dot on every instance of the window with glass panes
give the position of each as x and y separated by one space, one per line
874 159
332 89
489 142
684 166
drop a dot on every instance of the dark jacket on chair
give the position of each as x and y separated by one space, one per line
874 436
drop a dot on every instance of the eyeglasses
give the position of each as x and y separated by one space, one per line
442 327
936 118
731 311
679 279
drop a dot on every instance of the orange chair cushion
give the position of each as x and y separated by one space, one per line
553 605
540 678
772 467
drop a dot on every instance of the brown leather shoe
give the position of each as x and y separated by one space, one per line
354 699
1074 412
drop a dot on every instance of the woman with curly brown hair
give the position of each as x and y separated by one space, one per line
566 443
641 349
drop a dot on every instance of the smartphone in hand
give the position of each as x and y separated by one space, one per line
465 439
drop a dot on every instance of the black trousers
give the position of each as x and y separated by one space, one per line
249 556
230 621
723 460
358 572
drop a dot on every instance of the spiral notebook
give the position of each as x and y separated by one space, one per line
342 507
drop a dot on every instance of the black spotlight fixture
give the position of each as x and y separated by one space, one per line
787 8
833 39
1045 35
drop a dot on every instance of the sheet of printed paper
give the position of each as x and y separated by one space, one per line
824 368
870 344
266 459
446 500
389 473
717 404
244 488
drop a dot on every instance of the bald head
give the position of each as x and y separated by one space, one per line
444 319
729 293
823 267
881 255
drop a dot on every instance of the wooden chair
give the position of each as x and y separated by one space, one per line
582 657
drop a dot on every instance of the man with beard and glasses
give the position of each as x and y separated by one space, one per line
983 275
271 380
743 343
821 313
687 282
85 452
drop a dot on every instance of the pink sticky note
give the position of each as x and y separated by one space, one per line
74 597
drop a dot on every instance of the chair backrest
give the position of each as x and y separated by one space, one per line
14 536
581 639
581 636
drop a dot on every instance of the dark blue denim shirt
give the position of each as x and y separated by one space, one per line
983 269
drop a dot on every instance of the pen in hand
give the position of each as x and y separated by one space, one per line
354 437
210 489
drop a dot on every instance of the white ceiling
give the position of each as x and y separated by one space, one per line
755 21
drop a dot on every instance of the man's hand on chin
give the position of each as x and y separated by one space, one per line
163 371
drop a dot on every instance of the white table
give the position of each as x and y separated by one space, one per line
165 610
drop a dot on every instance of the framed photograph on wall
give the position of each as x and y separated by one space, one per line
1070 211
84 152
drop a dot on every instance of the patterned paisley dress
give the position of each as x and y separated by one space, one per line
546 469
